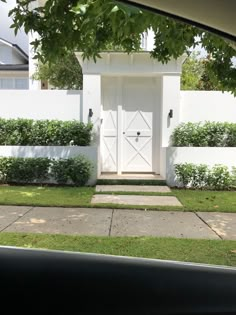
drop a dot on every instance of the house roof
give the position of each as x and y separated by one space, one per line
20 67
16 48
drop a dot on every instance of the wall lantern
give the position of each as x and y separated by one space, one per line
90 112
171 113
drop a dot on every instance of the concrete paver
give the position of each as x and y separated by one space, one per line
9 214
64 221
224 224
137 200
134 188
161 223
140 176
105 222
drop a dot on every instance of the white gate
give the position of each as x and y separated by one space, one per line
138 111
128 142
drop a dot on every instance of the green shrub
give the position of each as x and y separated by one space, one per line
74 170
185 173
210 134
80 170
44 132
201 179
189 134
233 176
231 139
5 166
201 176
59 170
220 178
23 170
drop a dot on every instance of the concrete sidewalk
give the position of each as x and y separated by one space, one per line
109 222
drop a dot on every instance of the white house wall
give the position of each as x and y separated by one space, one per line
198 106
41 104
5 54
6 32
9 56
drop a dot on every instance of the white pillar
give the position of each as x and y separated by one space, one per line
150 40
170 101
92 101
33 84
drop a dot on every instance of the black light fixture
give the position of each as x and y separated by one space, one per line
90 112
171 113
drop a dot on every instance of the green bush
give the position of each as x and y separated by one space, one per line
44 132
74 171
202 176
80 170
185 173
59 170
220 177
23 170
210 134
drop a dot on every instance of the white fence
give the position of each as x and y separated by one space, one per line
198 106
55 152
197 155
41 104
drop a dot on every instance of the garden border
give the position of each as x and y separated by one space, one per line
197 155
54 152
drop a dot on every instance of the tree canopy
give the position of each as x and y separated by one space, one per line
63 73
91 26
195 74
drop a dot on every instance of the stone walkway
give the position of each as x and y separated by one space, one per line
110 222
135 200
133 188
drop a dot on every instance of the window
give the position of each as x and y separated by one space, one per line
21 84
144 41
6 84
14 83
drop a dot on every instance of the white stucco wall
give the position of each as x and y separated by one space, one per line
170 95
198 106
41 104
197 155
170 100
55 152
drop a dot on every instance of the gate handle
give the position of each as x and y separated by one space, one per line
138 133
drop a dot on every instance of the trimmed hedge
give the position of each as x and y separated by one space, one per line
203 177
44 132
74 171
208 134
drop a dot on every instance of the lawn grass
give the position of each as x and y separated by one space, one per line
216 252
46 196
197 200
192 200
